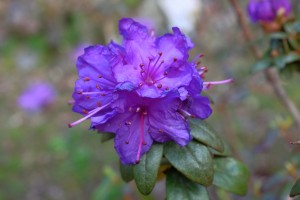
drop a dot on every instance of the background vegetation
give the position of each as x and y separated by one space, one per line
40 158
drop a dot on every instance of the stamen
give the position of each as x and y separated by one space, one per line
138 109
98 86
185 114
91 113
197 57
138 157
207 85
89 93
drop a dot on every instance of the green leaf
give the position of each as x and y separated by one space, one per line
180 188
262 64
281 61
295 191
202 132
279 35
104 136
126 172
145 173
193 160
231 175
226 152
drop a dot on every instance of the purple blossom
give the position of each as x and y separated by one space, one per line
268 10
36 96
143 90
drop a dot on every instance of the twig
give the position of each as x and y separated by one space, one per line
271 74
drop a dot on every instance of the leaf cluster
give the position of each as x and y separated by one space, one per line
189 170
284 50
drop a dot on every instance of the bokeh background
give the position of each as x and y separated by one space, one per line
41 158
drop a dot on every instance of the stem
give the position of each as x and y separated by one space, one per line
271 74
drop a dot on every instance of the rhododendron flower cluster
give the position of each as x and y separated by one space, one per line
143 91
268 10
36 96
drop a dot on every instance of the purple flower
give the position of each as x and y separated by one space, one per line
143 90
36 96
268 10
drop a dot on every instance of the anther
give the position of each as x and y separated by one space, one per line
144 143
87 97
165 73
130 109
142 65
99 103
126 142
79 92
161 131
103 95
86 79
142 71
167 88
141 84
100 76
175 59
98 87
159 86
145 113
159 53
85 111
138 109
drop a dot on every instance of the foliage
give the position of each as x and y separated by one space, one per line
193 165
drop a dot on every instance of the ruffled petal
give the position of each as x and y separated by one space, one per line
174 46
251 8
166 123
199 106
87 96
265 11
138 41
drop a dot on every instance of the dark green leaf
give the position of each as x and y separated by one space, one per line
281 61
226 152
262 64
202 132
145 173
279 35
126 172
295 191
180 188
193 160
231 175
106 136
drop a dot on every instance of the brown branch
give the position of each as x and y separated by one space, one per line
271 74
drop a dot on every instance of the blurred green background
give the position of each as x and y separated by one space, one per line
41 158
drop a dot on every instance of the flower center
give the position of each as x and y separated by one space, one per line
153 72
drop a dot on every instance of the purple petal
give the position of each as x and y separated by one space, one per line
174 45
199 106
138 42
129 139
166 123
282 4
